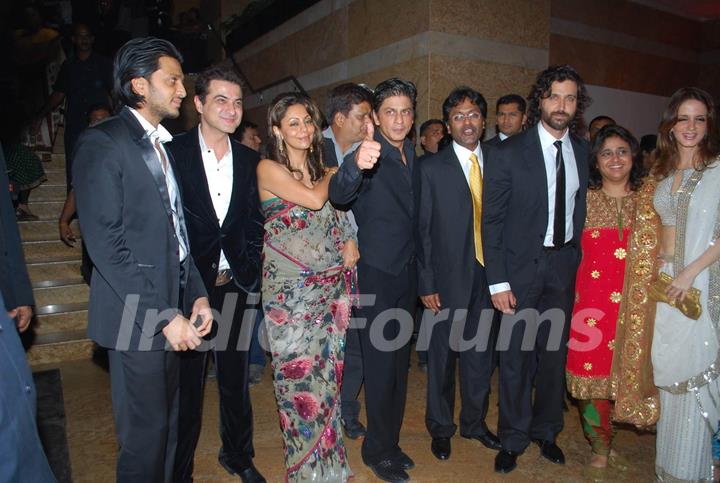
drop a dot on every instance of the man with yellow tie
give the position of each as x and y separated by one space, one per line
451 277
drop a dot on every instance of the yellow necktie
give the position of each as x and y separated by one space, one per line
476 186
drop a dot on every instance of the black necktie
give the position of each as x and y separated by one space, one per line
559 222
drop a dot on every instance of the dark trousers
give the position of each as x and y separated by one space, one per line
476 366
385 365
145 406
352 376
540 368
231 366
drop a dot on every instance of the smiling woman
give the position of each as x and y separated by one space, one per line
608 363
686 352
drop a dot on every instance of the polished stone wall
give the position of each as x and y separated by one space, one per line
495 47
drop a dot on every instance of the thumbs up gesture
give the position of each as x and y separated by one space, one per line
368 152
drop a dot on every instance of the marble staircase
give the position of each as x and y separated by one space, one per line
61 296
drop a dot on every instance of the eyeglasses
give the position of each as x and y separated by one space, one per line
609 153
460 117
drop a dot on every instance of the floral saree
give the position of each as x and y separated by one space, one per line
307 297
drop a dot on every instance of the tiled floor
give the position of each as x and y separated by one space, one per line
92 441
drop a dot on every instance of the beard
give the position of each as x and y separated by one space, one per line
557 120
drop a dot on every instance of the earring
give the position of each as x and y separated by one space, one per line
281 145
311 149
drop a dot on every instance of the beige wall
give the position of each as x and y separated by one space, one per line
495 47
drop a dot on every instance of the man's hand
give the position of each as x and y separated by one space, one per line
22 315
350 254
66 234
505 302
432 302
201 308
368 152
181 334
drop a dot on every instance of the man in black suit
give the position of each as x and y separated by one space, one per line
451 275
23 457
225 227
144 279
377 182
348 110
510 118
533 214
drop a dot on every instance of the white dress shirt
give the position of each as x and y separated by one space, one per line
163 136
219 174
572 185
502 136
463 155
572 181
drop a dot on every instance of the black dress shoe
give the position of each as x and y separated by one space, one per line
441 448
488 440
353 428
505 461
404 461
550 451
387 470
249 474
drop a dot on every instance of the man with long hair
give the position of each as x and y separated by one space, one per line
144 280
533 214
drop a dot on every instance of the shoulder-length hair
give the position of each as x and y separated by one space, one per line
276 148
666 154
541 90
614 131
138 58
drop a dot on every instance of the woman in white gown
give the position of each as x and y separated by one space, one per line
685 352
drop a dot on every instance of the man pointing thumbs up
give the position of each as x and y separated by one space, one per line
376 181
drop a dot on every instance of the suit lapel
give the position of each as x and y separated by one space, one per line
149 157
196 170
535 162
238 172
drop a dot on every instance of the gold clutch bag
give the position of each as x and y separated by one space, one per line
690 305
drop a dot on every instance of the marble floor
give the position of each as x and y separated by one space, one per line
92 441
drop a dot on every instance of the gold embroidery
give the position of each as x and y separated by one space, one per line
588 366
595 274
611 345
635 394
591 322
615 297
595 234
620 253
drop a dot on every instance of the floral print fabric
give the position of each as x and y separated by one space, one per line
307 299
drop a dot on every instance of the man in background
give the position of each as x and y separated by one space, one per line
510 118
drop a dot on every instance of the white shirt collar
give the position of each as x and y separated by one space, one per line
548 140
160 133
204 147
502 136
464 153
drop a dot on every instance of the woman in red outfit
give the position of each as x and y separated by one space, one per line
608 364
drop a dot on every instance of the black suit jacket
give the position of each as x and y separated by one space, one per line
515 208
382 201
493 141
15 284
445 231
240 236
127 226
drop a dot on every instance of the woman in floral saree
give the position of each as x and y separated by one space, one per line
608 364
308 267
